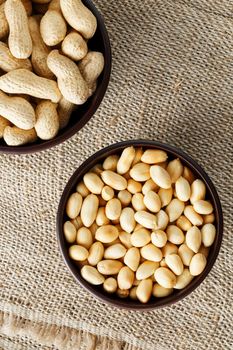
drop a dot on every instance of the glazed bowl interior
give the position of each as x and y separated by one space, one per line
81 115
211 195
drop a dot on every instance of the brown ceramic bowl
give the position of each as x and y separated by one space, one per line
98 291
100 42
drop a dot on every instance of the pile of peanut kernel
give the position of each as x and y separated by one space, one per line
140 224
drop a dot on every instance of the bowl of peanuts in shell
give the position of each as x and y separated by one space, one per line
139 224
54 71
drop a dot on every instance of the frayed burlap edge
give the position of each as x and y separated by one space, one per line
62 338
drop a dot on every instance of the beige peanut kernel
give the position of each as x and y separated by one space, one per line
154 156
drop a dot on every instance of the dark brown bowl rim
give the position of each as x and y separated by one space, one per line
32 148
87 165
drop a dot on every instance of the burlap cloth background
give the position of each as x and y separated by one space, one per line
172 81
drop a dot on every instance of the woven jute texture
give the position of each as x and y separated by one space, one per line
172 81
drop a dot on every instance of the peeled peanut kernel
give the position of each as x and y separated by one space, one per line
174 209
193 238
160 292
113 209
101 218
154 156
149 185
78 253
208 219
175 169
146 219
107 193
159 238
133 293
89 209
77 222
204 250
96 253
188 175
183 190
165 195
125 197
110 285
183 280
165 277
138 202
140 237
84 237
151 252
197 264
127 220
114 180
125 278
185 254
140 172
144 290
109 267
106 234
160 176
122 293
69 232
203 207
110 163
132 258
93 182
169 248
183 223
162 220
208 233
175 263
115 251
152 201
73 205
134 186
195 218
91 275
175 234
125 160
138 155
82 189
198 191
146 269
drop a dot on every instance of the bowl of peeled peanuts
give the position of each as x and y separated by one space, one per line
54 71
140 224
